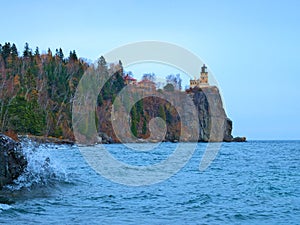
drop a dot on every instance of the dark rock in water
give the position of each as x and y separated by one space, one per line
239 139
227 131
12 160
104 138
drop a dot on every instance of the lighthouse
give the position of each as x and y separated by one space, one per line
204 75
203 81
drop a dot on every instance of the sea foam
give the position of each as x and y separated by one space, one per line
4 207
43 167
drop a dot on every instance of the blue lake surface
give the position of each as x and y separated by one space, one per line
257 182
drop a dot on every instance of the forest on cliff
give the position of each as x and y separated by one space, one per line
37 90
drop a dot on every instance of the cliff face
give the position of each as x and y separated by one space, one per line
214 126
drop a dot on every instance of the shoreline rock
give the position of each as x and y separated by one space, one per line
104 138
12 160
43 139
239 139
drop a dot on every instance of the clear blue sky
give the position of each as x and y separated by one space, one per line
253 47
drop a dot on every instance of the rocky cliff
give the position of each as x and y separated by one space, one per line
37 94
213 123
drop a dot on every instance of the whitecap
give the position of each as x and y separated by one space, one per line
43 167
4 207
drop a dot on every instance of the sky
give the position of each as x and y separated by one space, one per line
252 47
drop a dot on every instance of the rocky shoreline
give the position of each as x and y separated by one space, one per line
12 160
103 138
51 140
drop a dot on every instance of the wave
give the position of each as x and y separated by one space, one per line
4 207
43 168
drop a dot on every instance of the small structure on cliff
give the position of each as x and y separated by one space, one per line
129 80
147 84
203 81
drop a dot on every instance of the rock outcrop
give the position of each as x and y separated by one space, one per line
214 126
104 138
12 161
213 123
239 139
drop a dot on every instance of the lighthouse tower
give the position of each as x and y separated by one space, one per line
203 76
203 81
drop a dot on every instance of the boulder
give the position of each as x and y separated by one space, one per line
12 160
239 139
104 138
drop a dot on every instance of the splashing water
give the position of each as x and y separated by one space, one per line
43 168
4 207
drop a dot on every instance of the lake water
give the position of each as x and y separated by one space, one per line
257 182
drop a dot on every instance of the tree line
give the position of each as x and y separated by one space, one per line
37 90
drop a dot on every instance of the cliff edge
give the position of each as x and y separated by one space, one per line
214 125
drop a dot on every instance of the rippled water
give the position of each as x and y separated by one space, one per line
248 183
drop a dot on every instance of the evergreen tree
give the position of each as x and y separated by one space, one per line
14 51
169 87
60 54
37 52
102 62
73 56
100 100
144 128
121 68
26 116
118 83
134 128
27 51
140 106
49 52
6 49
134 121
162 113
